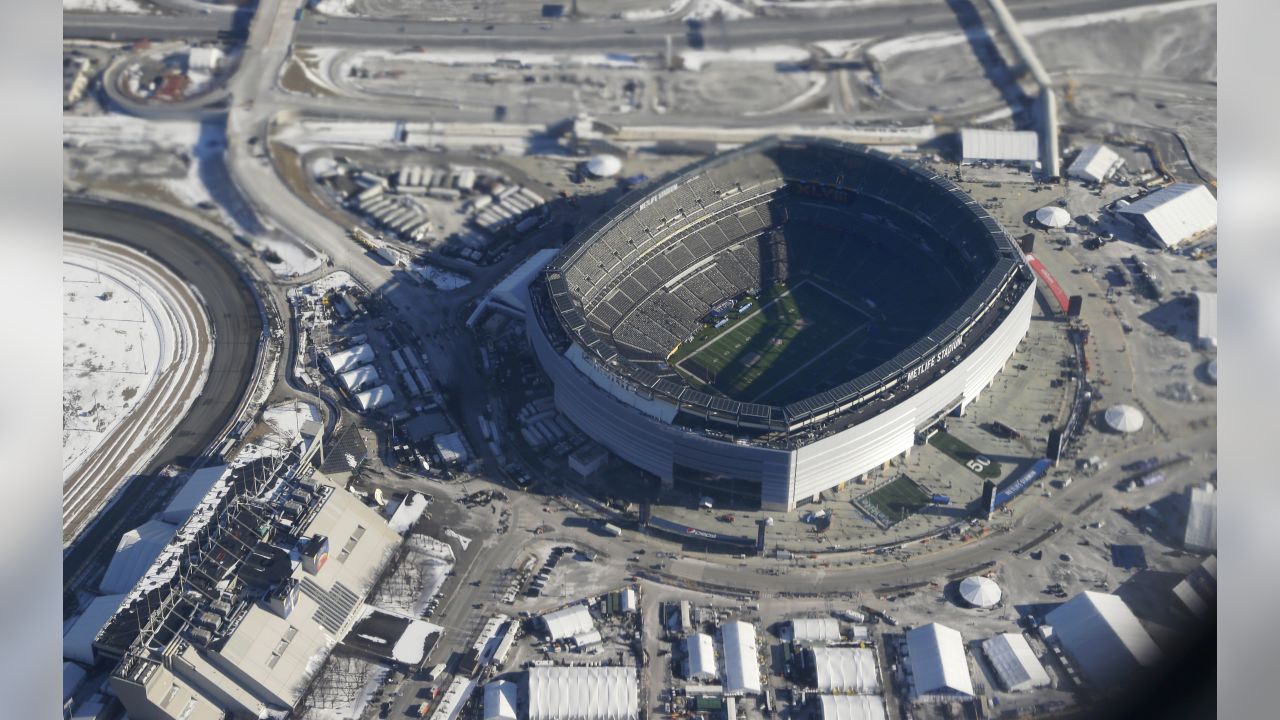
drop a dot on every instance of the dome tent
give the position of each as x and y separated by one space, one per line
1124 418
1053 217
980 591
604 166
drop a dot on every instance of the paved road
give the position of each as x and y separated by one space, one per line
237 327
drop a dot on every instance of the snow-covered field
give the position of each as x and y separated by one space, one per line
118 6
118 332
419 576
287 418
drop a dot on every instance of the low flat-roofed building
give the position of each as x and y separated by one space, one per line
1207 320
846 670
1019 147
1201 532
1103 638
589 458
852 707
741 659
1095 164
1014 661
568 622
939 668
1176 214
808 630
583 693
702 657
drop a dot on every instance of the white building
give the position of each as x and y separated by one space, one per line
500 700
568 622
702 657
741 659
205 59
1201 532
1103 637
349 359
1207 320
846 670
1095 164
939 668
583 693
808 630
852 707
1174 215
1014 661
1017 147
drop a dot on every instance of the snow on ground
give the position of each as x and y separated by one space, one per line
343 689
118 6
697 59
332 281
462 540
336 8
287 418
439 278
117 334
479 57
408 513
675 8
417 578
710 9
411 646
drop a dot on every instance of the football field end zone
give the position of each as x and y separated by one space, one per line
877 504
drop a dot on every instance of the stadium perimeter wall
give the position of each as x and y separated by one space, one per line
786 477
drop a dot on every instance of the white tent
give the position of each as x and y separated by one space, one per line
77 642
374 398
938 665
1053 216
629 601
349 359
500 700
815 629
1199 589
1016 146
980 591
852 707
741 659
568 622
1124 418
842 670
359 378
1175 214
702 657
604 166
1095 163
1207 319
583 693
1014 661
1103 637
1201 532
138 548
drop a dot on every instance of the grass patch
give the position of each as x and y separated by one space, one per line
963 453
892 503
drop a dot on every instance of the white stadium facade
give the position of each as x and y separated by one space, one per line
608 311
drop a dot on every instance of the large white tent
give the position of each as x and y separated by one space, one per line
1013 146
938 665
1207 319
375 397
815 629
604 166
741 659
1103 638
500 700
980 591
360 378
852 707
1095 163
1176 214
77 642
1124 418
568 622
349 359
1201 532
1014 661
137 549
583 693
1053 216
702 656
846 670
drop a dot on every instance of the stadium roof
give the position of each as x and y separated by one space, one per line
568 622
938 665
1103 637
1095 163
137 550
1207 319
1018 667
852 707
815 629
1201 533
583 693
375 397
702 656
500 700
846 670
741 661
513 290
999 145
980 591
77 642
188 498
1199 589
1177 213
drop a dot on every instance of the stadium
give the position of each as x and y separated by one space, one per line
780 319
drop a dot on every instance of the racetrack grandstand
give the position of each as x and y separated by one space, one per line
778 320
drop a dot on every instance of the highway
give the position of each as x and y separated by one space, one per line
237 329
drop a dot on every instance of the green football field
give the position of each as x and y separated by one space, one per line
890 504
965 454
791 340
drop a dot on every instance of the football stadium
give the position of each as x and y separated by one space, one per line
780 319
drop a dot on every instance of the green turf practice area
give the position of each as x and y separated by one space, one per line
792 342
966 455
889 504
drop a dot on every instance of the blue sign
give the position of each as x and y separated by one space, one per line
1022 482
